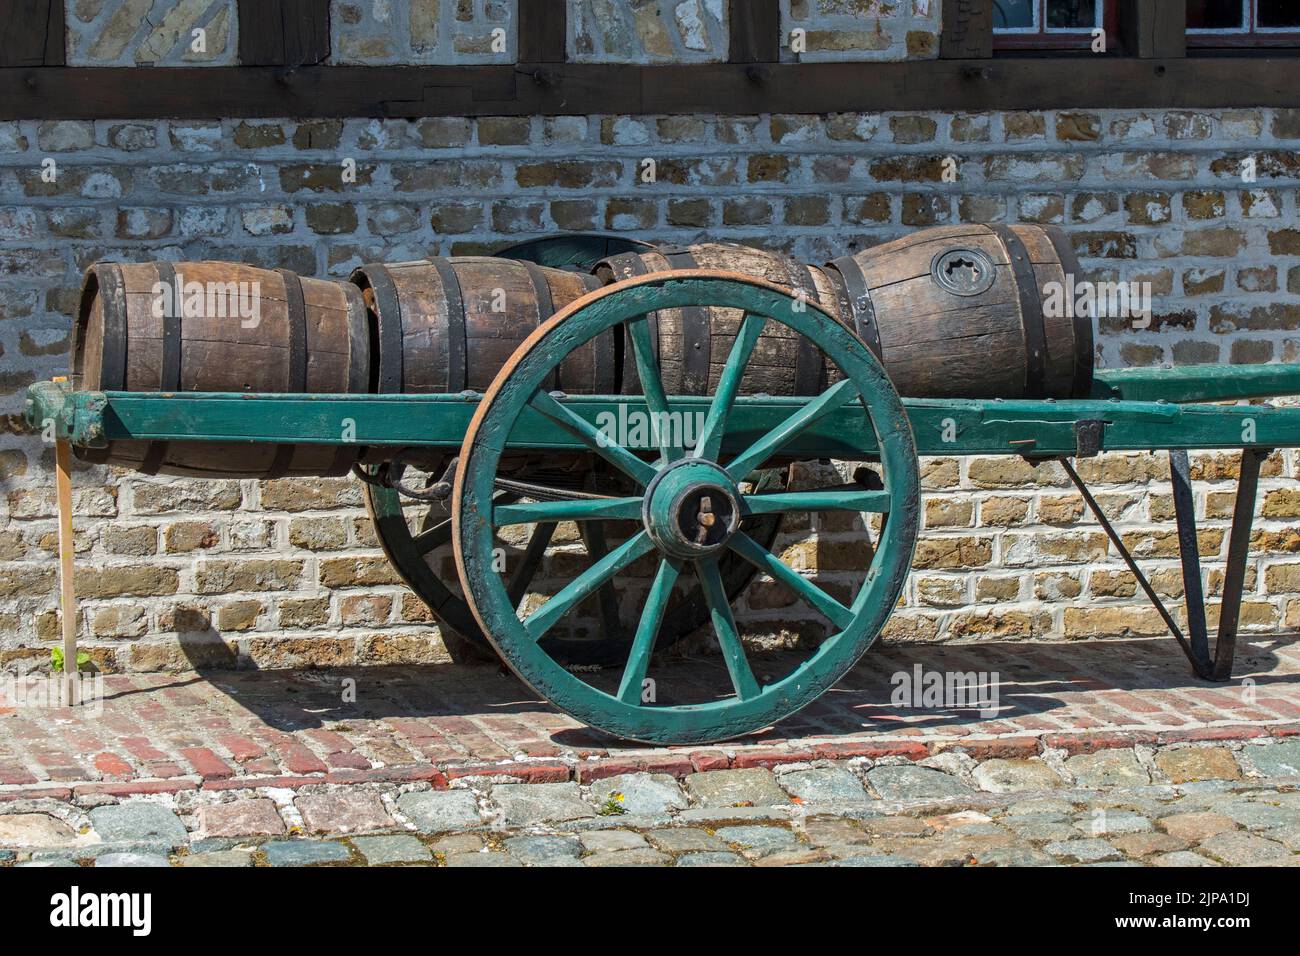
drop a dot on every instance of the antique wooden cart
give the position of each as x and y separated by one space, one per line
701 512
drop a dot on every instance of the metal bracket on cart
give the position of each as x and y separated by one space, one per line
389 475
1209 664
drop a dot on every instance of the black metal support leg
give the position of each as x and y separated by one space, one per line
1189 549
1215 666
1234 577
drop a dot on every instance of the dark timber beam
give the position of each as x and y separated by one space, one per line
291 33
1154 29
31 33
1079 82
755 27
967 32
543 31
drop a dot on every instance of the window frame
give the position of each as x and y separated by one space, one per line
1251 35
1047 39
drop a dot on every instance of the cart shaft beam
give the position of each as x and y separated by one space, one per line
1197 383
1036 429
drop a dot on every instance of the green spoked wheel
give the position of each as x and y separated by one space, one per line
686 513
416 539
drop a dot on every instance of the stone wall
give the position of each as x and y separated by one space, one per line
648 31
385 32
288 571
152 32
374 32
819 30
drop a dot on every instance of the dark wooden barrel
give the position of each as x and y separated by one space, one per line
450 324
693 343
959 312
246 330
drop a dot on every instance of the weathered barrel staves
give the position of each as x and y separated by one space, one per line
692 343
961 312
219 327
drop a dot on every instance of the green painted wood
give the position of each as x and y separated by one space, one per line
715 425
728 635
669 513
746 705
765 560
584 585
652 386
941 426
407 549
643 645
531 512
777 438
1197 383
592 438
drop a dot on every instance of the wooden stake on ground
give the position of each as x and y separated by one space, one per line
67 594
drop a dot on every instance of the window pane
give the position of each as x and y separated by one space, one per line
1013 14
1072 14
1215 15
1279 14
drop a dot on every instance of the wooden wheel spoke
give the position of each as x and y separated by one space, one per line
593 438
715 425
432 537
534 552
652 387
647 630
503 435
828 401
593 536
581 587
578 509
724 626
765 560
860 501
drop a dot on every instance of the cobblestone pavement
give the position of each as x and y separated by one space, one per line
1102 753
1195 805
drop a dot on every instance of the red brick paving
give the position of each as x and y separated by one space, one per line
222 730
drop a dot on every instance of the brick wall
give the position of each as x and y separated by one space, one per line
288 572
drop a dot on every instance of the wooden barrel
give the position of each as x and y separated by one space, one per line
219 327
961 312
450 324
693 343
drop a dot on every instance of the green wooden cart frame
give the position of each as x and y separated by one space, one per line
685 505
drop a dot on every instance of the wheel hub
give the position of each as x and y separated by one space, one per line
691 509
